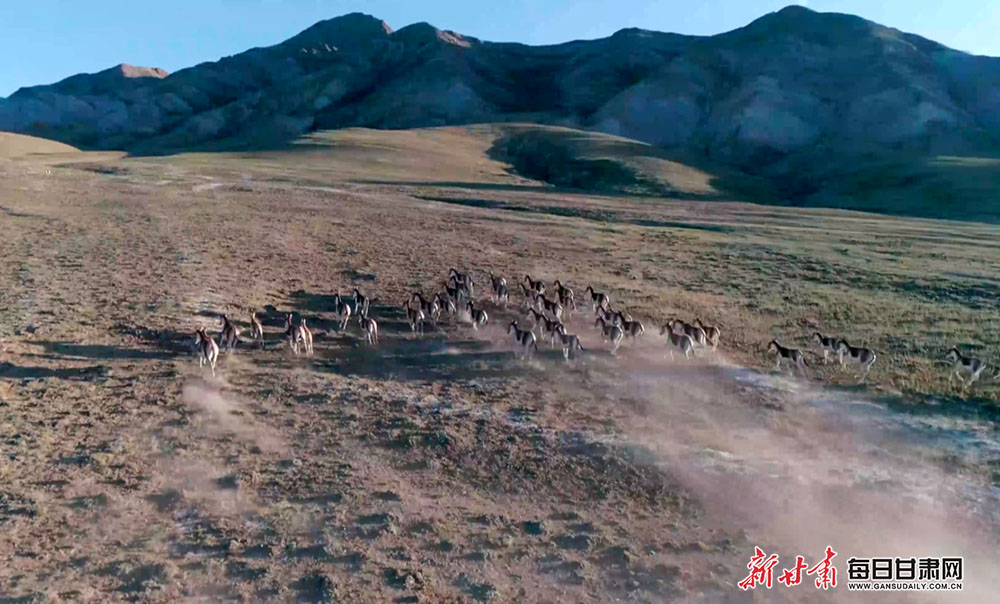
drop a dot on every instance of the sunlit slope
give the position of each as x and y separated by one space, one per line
485 154
524 154
20 145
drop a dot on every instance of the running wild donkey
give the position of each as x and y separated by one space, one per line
370 328
208 350
697 334
462 281
500 295
299 336
570 343
415 317
678 341
828 344
478 315
610 332
361 303
430 307
598 300
565 296
525 339
549 327
791 356
962 364
712 333
536 286
863 357
256 329
445 303
342 310
230 334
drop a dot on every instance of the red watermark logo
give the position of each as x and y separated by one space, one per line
762 571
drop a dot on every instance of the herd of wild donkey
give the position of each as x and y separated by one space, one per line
547 315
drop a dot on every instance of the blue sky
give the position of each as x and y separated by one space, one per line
42 41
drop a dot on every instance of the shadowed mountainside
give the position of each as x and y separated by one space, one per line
830 109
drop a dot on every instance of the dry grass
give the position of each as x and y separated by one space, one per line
130 476
909 288
19 145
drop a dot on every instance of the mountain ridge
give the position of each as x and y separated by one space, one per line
793 96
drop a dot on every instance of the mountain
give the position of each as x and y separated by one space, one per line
804 99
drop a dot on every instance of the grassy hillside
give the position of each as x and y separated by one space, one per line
909 288
498 155
598 162
20 145
951 187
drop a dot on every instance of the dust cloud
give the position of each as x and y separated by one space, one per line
223 415
786 462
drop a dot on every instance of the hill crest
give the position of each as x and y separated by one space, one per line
798 97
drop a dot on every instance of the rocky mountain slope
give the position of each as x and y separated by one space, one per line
804 99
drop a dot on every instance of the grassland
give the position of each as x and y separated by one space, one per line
441 469
908 288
